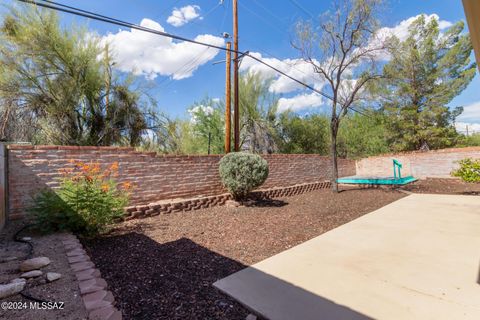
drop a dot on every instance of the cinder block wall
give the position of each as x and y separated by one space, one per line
435 163
31 169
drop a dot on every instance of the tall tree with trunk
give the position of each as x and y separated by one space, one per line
426 71
343 49
258 107
54 88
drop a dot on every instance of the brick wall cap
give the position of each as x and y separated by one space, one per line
19 147
420 152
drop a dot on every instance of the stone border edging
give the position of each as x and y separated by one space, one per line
165 207
98 302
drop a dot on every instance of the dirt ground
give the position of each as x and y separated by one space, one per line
163 267
63 290
443 186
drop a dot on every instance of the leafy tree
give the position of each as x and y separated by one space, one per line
308 134
363 135
426 71
258 107
208 125
54 89
341 50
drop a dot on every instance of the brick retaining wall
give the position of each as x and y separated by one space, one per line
434 164
155 177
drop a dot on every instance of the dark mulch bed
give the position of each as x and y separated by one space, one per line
443 186
163 267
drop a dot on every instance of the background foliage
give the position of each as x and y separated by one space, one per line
69 93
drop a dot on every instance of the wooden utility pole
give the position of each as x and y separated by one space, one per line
236 108
228 98
108 75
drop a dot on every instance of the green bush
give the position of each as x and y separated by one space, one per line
87 200
242 172
469 170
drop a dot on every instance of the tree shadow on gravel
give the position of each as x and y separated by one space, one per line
173 280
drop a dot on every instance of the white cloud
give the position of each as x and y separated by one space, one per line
296 68
184 15
194 112
472 127
401 31
151 55
300 102
470 117
471 113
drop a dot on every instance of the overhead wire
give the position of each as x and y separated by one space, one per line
191 65
225 11
260 17
270 12
299 6
87 14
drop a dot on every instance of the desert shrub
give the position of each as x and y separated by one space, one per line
242 172
87 200
469 170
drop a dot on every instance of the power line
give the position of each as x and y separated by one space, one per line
258 3
299 6
260 17
91 15
99 17
186 68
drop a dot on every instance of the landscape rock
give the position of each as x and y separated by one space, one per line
52 276
8 259
34 263
27 239
31 274
18 280
7 290
232 203
251 317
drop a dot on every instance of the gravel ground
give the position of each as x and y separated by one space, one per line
163 267
443 186
63 290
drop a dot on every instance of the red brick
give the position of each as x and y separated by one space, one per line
92 285
98 299
87 274
105 313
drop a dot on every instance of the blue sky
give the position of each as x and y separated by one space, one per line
182 74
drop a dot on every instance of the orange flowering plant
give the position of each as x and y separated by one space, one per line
88 199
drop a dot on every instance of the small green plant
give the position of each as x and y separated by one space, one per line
242 172
469 170
87 200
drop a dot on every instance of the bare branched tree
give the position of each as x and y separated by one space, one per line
343 49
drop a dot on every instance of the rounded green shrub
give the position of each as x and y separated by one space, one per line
242 172
469 170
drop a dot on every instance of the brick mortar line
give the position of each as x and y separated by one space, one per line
98 301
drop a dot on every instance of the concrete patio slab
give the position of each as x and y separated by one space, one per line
416 258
